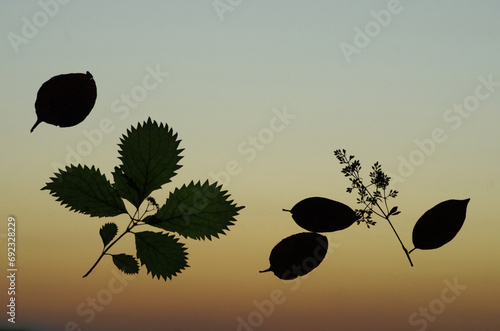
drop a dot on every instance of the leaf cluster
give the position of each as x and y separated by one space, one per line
373 196
149 156
436 227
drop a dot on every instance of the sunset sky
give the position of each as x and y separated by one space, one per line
261 93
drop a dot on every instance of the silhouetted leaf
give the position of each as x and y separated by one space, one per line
150 157
108 232
393 211
126 263
322 215
196 211
297 255
65 100
126 187
86 190
440 224
163 255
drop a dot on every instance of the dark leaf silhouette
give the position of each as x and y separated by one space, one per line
126 263
197 211
297 255
87 191
65 100
150 156
163 254
440 224
108 232
322 215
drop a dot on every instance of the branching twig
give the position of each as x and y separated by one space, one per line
370 199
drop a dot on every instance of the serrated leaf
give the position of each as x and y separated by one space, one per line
150 157
126 187
196 211
108 232
86 190
440 224
163 254
126 263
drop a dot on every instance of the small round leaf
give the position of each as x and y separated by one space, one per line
65 100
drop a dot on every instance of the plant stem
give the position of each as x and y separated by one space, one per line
358 183
386 217
104 252
402 245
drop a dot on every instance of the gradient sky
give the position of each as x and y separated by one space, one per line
232 66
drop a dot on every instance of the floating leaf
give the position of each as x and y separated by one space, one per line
108 232
322 215
126 263
65 100
86 190
440 224
196 211
150 157
297 255
163 254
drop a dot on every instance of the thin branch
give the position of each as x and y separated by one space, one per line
105 249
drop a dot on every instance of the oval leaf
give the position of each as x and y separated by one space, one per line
440 224
322 215
126 263
163 254
297 255
108 232
65 100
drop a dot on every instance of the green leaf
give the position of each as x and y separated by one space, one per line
126 263
126 187
108 232
87 191
196 211
162 254
150 157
